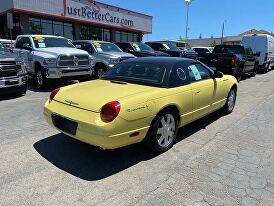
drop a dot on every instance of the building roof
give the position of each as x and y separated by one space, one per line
255 31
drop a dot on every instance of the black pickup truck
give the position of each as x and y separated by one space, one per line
232 59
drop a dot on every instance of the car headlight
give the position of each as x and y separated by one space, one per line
91 60
49 61
114 61
22 65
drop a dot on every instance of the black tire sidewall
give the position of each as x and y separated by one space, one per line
151 141
225 108
40 69
98 68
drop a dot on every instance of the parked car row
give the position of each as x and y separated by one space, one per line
256 53
108 54
48 57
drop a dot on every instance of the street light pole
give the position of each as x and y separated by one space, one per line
223 30
188 2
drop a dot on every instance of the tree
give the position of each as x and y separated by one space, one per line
200 36
212 44
181 38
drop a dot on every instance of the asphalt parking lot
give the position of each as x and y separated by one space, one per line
218 160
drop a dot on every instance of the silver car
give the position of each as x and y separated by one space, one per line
105 54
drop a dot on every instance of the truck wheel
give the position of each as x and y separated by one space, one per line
239 74
254 72
40 77
100 70
267 69
163 131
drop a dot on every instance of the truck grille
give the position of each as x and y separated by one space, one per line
9 68
125 58
73 61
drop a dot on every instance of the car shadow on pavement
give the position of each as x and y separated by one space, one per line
90 163
51 86
10 96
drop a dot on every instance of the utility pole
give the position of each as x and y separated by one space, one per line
188 2
223 30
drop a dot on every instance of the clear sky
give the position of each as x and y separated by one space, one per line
206 16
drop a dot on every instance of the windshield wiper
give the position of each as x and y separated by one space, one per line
117 82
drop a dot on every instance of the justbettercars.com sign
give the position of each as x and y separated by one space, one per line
87 10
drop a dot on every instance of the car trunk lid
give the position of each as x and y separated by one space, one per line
95 94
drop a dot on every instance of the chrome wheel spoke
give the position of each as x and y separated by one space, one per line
166 130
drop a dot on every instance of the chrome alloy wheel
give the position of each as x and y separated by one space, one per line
231 100
166 130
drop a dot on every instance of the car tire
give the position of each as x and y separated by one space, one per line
40 77
267 69
162 132
230 102
254 72
238 75
100 70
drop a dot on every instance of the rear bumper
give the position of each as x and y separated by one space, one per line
58 73
92 130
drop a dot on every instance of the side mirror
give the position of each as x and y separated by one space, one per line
78 46
26 46
11 50
218 74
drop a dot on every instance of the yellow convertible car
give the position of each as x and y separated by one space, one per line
142 99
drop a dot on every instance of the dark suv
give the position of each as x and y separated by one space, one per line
171 48
140 49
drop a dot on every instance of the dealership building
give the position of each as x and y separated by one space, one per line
74 19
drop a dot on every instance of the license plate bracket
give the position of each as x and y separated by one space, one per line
65 124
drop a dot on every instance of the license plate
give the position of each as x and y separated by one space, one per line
64 124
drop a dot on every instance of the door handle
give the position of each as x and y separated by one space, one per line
198 92
225 80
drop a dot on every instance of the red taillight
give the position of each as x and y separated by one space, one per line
110 111
266 57
234 60
53 93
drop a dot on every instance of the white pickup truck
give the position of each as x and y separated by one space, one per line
50 57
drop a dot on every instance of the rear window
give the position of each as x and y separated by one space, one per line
137 73
229 50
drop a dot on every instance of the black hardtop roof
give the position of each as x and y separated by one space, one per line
168 62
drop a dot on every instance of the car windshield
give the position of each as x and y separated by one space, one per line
3 48
171 46
46 42
183 45
141 47
106 47
137 73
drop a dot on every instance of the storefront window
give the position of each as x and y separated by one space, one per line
45 26
35 26
94 33
58 28
121 36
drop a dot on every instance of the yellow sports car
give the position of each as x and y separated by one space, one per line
142 99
